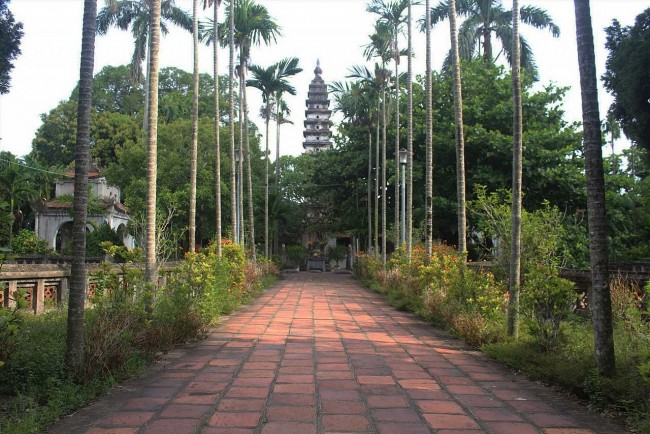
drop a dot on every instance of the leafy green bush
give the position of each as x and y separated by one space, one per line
296 255
28 243
546 299
101 234
124 331
337 253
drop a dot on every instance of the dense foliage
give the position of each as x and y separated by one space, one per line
124 331
628 75
11 33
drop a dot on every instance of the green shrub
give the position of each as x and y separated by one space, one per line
546 300
100 235
296 255
337 253
26 242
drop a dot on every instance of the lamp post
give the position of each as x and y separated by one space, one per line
237 207
403 154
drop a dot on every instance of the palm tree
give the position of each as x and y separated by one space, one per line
195 125
514 281
271 81
392 14
355 102
137 15
75 325
460 140
217 144
600 299
252 26
282 112
428 199
380 46
151 271
487 17
16 186
409 147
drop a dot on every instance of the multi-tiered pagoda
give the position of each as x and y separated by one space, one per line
317 116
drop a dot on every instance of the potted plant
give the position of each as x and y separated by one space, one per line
295 256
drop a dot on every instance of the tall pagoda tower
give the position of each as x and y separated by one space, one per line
317 116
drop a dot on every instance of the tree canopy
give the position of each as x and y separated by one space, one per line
628 77
10 34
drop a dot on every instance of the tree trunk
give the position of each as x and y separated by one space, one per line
377 168
384 214
249 179
217 144
240 188
266 182
151 266
409 162
231 125
195 126
369 189
600 298
460 139
397 146
276 231
428 200
514 282
75 325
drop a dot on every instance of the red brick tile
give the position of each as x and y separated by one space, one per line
291 413
196 398
128 418
248 392
289 428
443 407
291 399
100 430
151 404
402 428
375 379
511 428
294 388
552 420
172 426
342 407
450 421
387 401
457 389
180 411
345 422
403 415
500 414
239 420
241 404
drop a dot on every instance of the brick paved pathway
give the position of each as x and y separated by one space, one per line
317 353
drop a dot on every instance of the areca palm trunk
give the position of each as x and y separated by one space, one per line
384 214
217 144
599 298
377 168
428 199
75 325
397 145
514 281
249 179
240 201
369 189
460 140
266 184
151 267
231 124
195 125
409 148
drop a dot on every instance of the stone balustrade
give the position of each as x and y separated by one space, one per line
43 286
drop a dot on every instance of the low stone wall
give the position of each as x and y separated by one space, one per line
44 286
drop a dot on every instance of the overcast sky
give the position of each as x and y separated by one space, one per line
333 31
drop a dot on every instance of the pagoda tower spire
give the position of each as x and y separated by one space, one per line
317 132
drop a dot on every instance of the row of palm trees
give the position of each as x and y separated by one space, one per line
483 17
252 25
